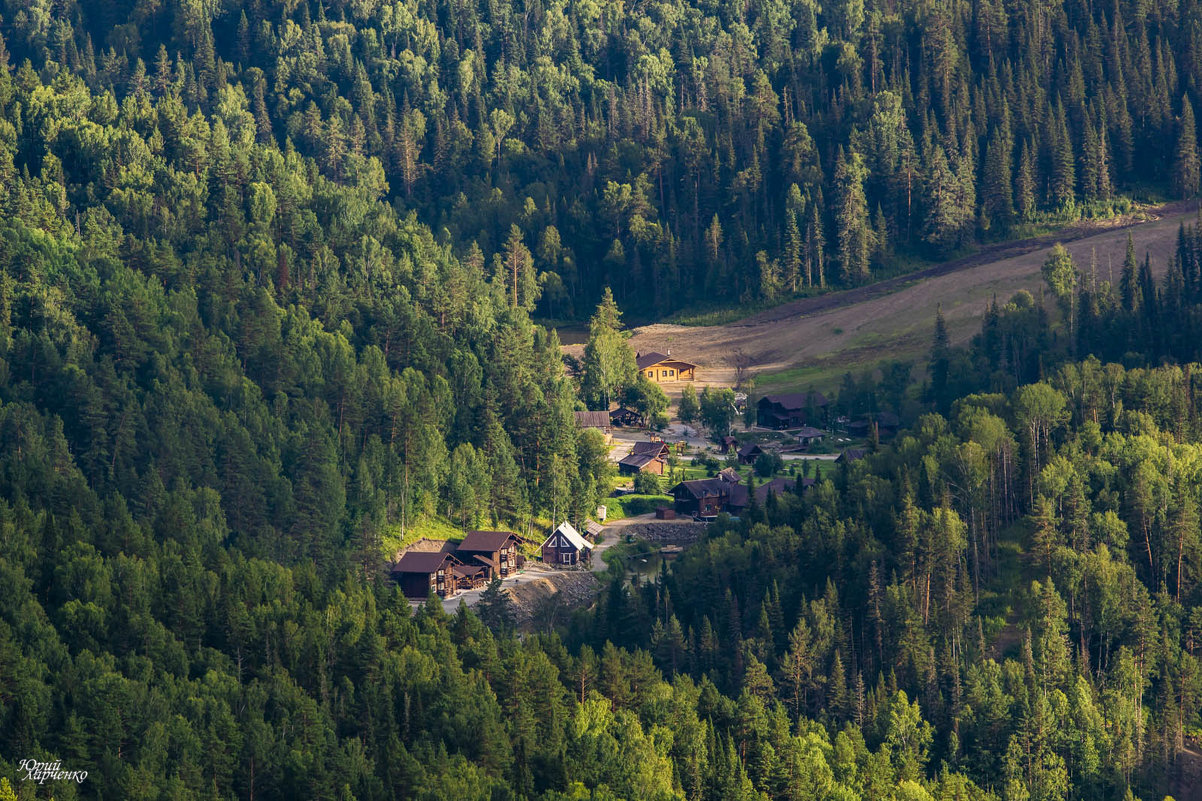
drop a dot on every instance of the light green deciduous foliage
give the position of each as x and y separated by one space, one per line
609 365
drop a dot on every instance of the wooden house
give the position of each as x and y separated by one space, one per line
729 474
623 416
885 423
790 411
851 455
750 452
808 435
565 547
729 444
470 577
597 420
706 498
646 457
421 573
495 550
662 368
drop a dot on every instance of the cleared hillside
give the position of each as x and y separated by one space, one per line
811 342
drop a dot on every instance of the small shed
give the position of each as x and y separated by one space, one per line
808 435
729 444
565 547
592 529
665 513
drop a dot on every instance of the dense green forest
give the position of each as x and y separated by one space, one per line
267 273
675 151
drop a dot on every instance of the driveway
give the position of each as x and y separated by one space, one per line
531 572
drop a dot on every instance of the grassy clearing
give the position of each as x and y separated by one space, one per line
434 528
633 505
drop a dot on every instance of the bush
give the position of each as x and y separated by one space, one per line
647 484
768 464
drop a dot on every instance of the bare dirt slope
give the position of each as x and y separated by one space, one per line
896 317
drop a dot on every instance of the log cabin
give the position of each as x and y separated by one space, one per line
623 416
470 577
749 453
790 411
646 457
597 420
808 435
662 368
420 573
706 498
495 550
565 547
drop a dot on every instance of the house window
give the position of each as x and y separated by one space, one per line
671 373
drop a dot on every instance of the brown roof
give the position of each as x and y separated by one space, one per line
810 432
592 419
486 540
852 454
638 460
645 360
794 401
778 487
422 562
656 447
469 570
736 494
729 474
749 449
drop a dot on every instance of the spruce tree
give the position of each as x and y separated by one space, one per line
1186 168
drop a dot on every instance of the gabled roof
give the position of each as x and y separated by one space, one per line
572 535
729 474
468 570
593 528
852 454
638 460
809 432
779 487
750 448
645 360
795 401
423 562
713 487
592 419
486 540
655 447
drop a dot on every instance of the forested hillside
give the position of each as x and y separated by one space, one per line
675 151
267 274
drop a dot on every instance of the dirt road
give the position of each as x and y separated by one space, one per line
895 318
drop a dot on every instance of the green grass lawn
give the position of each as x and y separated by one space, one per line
633 505
434 528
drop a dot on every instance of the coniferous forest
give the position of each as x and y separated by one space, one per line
269 277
